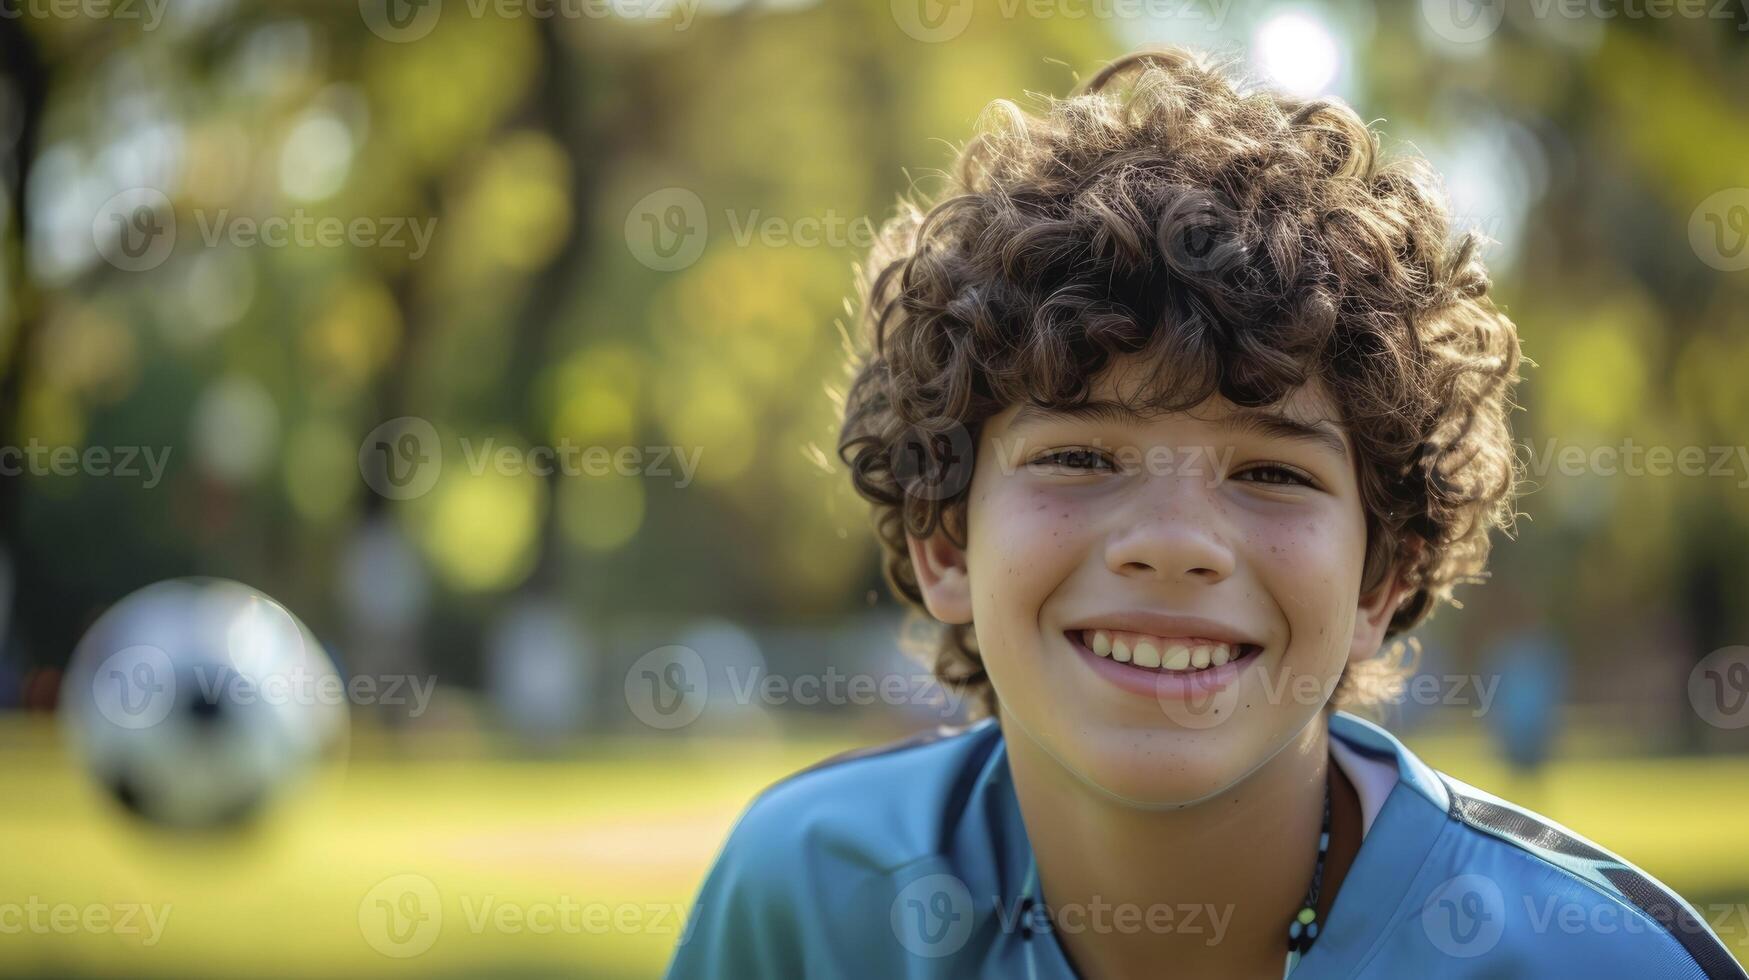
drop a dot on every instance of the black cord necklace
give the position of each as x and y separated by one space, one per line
1303 930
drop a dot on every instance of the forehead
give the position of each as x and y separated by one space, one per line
1128 380
1125 384
1306 415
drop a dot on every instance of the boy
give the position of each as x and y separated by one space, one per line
1174 412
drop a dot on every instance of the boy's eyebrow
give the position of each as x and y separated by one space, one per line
1255 421
1089 411
1271 424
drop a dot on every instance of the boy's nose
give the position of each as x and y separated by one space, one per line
1177 533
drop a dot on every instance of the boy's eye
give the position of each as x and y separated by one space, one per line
1274 475
1090 460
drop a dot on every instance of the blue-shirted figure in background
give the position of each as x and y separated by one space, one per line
1178 407
1526 715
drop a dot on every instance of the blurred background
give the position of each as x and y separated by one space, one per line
497 340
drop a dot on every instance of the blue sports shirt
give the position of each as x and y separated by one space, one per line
911 860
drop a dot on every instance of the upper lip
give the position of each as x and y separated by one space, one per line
1163 625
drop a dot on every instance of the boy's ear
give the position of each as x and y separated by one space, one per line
941 577
1374 617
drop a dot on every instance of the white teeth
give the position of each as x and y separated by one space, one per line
1157 653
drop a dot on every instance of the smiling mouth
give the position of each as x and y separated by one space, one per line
1162 654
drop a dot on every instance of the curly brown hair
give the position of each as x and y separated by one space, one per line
1247 242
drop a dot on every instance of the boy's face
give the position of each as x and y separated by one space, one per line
1130 526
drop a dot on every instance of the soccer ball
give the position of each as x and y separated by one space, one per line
194 702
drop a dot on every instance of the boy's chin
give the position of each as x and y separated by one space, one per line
1178 770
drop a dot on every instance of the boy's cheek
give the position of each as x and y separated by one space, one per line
1029 521
1307 575
1302 550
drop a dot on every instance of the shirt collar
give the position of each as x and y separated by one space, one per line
1395 845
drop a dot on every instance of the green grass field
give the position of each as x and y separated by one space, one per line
582 866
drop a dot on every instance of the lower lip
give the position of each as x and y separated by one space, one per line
1175 685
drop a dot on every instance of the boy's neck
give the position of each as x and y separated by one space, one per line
1234 868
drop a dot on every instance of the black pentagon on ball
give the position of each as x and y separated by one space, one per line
211 693
127 792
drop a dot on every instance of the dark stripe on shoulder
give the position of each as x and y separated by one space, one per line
1647 895
1522 828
